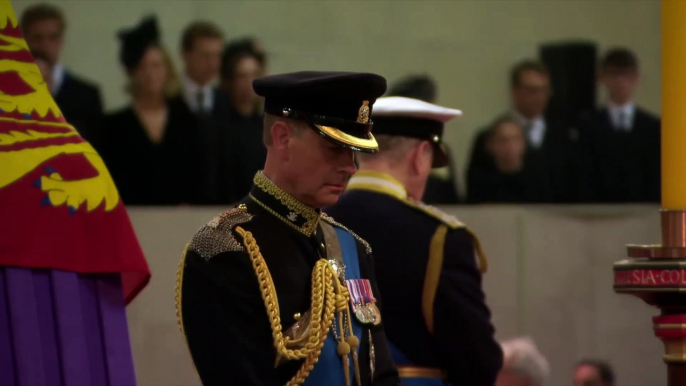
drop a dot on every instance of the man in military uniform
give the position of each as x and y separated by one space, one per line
265 290
436 318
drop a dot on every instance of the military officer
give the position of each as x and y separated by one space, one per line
436 317
265 290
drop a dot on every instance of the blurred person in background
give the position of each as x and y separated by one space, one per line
621 141
441 187
593 372
148 145
44 27
202 43
510 173
530 92
243 61
524 365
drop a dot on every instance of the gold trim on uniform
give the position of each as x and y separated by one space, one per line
298 208
420 372
350 140
433 275
333 222
377 182
178 292
383 183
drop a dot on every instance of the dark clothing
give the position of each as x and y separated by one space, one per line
530 185
556 163
226 325
81 104
148 173
462 342
621 165
218 155
250 149
442 190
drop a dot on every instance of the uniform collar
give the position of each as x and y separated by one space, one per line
283 206
377 182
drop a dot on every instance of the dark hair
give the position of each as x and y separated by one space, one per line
198 30
526 65
237 50
605 371
505 118
40 12
417 86
621 58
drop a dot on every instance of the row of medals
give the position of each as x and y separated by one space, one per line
366 313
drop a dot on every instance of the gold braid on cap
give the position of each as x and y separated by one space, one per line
329 297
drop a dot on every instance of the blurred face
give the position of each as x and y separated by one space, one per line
316 169
507 145
530 97
586 375
151 74
619 83
203 60
508 377
240 86
46 38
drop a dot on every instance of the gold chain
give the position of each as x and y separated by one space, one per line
328 298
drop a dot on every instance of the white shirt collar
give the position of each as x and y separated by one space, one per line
190 94
622 116
58 75
535 128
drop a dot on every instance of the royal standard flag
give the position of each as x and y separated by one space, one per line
59 208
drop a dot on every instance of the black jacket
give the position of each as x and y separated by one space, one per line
401 234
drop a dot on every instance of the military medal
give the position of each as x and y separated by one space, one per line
363 302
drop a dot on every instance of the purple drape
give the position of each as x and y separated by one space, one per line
60 328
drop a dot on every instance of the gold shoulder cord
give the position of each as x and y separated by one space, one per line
329 297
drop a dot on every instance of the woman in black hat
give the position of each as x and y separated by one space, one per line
149 146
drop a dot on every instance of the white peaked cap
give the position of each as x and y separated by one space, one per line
396 106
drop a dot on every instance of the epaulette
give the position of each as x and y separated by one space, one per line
333 222
217 236
451 221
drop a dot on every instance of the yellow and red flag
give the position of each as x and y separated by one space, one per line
59 208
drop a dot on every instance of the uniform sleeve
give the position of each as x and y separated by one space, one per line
385 372
462 320
225 322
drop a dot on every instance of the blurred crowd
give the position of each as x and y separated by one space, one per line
525 365
195 136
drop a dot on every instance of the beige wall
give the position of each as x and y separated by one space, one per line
468 46
550 278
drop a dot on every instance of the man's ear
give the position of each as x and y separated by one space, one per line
281 135
421 157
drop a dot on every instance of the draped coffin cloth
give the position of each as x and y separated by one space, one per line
60 328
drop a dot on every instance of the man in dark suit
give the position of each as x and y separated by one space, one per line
437 321
202 43
44 27
551 142
621 141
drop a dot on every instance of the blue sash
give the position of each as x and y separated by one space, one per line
328 371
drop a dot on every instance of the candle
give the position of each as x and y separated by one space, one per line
674 104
